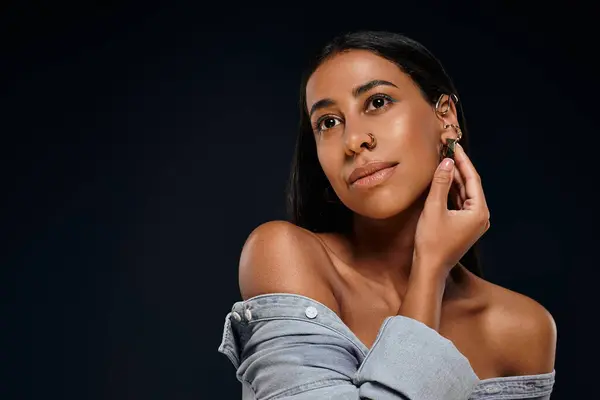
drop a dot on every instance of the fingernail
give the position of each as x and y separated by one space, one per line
447 164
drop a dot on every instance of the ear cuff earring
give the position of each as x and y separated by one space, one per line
448 149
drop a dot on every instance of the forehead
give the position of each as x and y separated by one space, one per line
340 74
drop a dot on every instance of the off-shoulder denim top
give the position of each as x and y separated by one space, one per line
290 347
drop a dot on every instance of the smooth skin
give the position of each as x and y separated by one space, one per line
402 256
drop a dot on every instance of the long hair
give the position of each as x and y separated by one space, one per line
308 205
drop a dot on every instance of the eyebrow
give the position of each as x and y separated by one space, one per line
357 91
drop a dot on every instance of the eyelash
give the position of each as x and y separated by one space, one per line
390 100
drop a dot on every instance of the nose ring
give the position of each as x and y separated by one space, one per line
373 142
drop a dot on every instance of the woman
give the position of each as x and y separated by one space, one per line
374 290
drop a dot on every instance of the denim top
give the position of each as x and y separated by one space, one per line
291 347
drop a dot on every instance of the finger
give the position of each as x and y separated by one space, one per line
454 195
440 185
472 181
459 185
459 201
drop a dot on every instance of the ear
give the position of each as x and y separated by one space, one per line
447 115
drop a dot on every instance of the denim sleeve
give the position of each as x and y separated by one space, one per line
415 360
293 348
531 387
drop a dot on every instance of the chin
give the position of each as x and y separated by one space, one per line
383 205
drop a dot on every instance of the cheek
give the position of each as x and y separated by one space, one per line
413 121
422 149
414 140
421 131
417 143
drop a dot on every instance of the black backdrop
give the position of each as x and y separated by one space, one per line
142 143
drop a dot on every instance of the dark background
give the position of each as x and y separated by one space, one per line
142 143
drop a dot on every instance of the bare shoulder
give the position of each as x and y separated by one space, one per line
521 331
280 257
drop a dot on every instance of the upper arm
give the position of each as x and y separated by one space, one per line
529 336
542 334
279 257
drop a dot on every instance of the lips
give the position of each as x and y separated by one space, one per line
369 169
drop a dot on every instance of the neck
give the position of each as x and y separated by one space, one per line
382 250
386 246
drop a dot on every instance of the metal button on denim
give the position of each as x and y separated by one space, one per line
494 389
311 312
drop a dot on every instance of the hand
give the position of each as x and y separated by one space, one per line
443 236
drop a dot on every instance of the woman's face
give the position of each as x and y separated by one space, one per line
356 93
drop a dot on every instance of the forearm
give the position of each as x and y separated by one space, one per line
423 298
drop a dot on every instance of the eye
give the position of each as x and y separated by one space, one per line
326 122
379 101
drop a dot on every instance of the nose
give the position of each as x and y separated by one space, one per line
357 141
